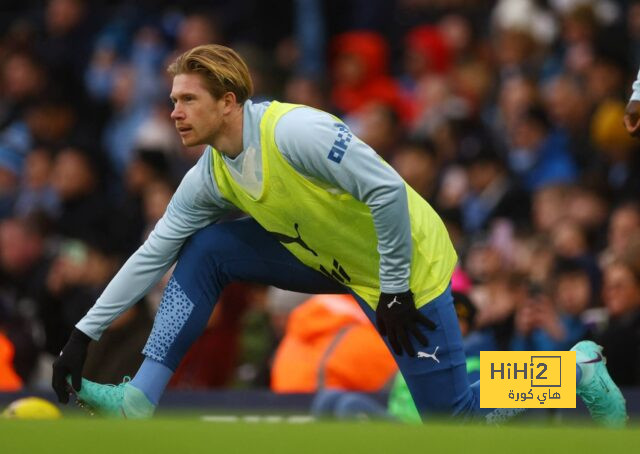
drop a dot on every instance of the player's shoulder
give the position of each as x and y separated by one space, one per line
306 123
308 115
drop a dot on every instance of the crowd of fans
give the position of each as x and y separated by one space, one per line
505 115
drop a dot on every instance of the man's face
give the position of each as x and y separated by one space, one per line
197 115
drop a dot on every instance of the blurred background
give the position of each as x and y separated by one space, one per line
505 115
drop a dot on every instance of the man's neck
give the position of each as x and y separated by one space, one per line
229 141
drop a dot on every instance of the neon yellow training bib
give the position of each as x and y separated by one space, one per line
334 234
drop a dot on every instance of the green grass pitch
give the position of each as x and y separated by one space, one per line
178 435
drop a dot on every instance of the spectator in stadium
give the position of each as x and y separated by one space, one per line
211 87
623 232
129 112
461 37
36 193
434 105
24 263
195 30
574 290
15 143
521 32
621 161
64 40
621 338
633 29
377 124
550 318
23 80
492 193
605 77
148 166
426 52
155 199
78 273
484 260
54 122
518 93
537 324
418 165
589 206
569 240
549 205
303 90
563 98
538 154
360 72
84 207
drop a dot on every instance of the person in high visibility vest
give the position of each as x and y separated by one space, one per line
326 215
10 381
323 347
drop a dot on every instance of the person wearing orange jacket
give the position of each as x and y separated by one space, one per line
9 379
323 347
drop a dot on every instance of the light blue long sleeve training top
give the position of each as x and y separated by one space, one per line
304 136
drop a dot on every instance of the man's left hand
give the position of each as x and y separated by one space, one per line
398 319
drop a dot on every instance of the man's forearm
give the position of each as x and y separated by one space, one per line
129 285
195 205
390 213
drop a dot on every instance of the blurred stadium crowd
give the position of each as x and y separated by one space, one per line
505 115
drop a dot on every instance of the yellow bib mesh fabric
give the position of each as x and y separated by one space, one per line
334 233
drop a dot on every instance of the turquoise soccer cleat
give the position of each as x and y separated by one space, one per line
596 388
123 401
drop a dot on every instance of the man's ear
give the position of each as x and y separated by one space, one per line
230 101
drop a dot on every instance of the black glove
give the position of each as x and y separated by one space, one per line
70 362
398 318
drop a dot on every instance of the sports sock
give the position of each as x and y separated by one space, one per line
152 378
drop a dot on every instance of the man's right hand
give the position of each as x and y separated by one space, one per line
632 118
70 362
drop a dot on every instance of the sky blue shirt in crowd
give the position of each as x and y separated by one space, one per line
304 136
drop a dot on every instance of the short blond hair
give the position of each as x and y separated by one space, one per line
223 70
